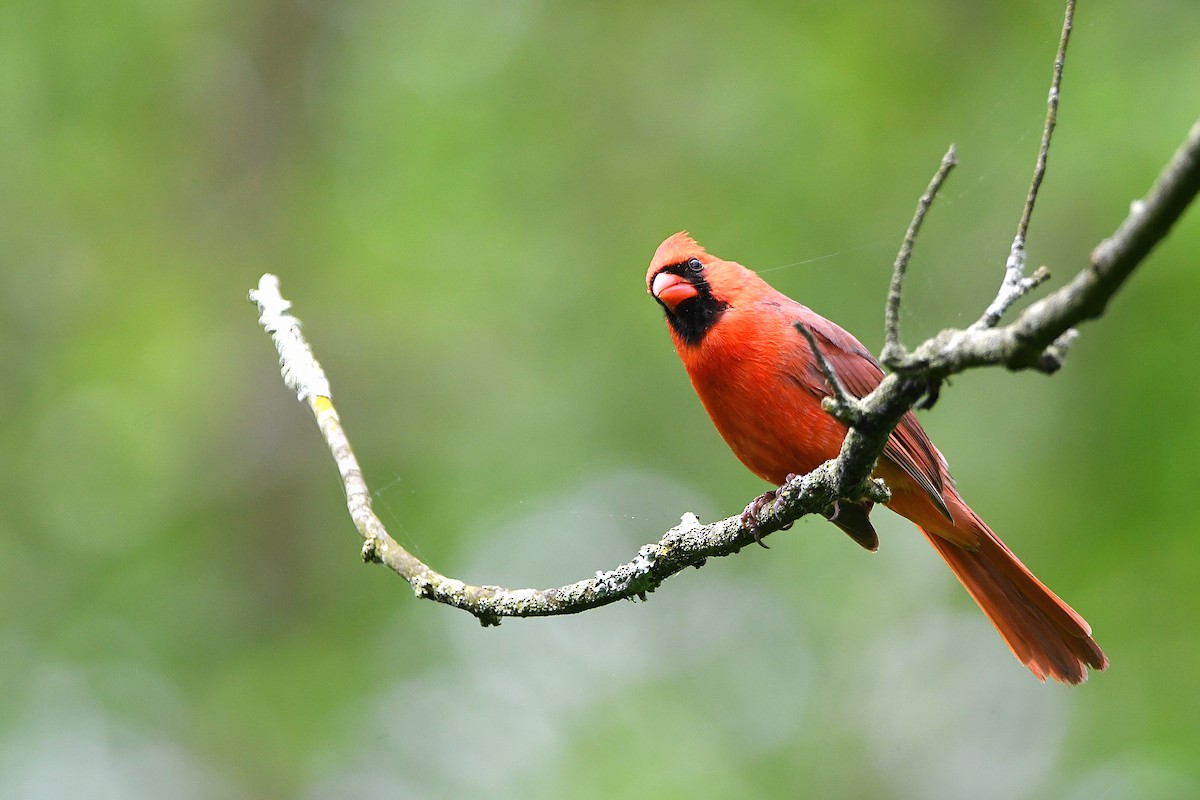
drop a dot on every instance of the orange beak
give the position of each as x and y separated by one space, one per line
671 289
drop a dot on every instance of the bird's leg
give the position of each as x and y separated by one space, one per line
750 515
832 512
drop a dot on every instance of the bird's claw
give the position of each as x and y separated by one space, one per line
932 391
750 515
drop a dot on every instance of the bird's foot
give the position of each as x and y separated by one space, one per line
750 515
933 390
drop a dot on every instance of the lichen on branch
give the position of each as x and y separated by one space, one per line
1037 339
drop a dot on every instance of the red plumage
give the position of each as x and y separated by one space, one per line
762 388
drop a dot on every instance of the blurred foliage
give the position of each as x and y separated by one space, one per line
461 199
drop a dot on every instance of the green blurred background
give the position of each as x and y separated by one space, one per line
461 199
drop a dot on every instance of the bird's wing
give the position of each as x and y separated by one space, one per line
909 446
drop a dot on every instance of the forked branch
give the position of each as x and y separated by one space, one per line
1037 339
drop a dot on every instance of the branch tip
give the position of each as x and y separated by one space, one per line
1039 169
299 367
891 315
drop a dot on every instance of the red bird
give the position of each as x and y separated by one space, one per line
759 382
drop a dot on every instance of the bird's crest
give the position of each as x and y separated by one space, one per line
675 250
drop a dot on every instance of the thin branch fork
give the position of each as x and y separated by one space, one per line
1039 336
1015 285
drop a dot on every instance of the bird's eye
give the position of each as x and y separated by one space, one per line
694 266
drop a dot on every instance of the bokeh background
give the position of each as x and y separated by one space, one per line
461 199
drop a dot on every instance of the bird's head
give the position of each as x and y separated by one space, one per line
694 288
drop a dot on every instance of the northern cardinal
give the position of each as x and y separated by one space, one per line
758 380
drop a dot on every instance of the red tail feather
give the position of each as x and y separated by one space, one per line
1043 632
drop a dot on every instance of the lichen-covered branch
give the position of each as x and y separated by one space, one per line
1040 336
1037 339
687 544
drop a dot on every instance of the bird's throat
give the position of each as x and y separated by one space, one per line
695 317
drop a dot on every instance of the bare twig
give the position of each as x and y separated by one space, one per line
1039 169
300 369
1015 285
1038 337
893 350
